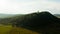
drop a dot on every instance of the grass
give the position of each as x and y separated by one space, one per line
4 29
8 29
22 31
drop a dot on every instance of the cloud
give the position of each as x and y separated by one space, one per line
25 6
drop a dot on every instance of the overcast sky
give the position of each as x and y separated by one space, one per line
29 6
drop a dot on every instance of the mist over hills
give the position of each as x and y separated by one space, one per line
6 15
9 15
13 15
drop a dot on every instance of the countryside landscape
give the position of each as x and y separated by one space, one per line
33 23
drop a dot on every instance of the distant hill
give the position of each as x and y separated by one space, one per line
57 15
9 18
9 15
6 15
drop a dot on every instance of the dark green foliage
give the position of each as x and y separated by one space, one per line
38 19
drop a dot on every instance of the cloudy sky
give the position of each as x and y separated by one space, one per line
29 6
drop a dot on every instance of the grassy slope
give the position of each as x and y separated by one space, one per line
21 31
13 30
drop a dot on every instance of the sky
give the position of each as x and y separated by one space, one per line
29 6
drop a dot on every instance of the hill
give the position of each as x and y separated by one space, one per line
40 22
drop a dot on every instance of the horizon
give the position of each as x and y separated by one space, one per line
22 14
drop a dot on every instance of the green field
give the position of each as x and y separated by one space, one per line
8 29
5 29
